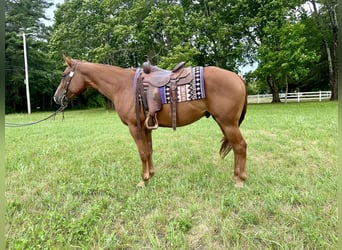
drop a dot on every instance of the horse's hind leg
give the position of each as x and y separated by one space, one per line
233 138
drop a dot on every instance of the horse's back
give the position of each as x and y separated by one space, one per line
225 94
217 79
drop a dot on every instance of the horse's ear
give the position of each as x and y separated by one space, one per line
67 60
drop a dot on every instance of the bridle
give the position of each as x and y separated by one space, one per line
66 86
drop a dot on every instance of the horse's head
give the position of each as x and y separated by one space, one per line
72 83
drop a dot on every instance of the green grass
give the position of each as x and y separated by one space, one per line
72 184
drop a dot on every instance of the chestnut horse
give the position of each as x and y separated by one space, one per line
226 102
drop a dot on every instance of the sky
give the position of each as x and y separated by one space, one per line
50 11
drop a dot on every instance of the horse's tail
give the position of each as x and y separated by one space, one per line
226 147
244 110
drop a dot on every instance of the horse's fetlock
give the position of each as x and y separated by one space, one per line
243 176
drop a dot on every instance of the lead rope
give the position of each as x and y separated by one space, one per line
16 125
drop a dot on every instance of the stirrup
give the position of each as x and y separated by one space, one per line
155 126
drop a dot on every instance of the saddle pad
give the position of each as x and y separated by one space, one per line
187 92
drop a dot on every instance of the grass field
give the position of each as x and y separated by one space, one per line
72 184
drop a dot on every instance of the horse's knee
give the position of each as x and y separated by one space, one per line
143 155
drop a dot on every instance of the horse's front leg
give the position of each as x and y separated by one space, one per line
144 145
150 149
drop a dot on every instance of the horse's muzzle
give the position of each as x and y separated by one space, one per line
55 99
61 100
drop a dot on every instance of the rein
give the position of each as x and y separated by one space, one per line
17 125
60 109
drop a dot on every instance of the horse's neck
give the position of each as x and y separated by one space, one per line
110 81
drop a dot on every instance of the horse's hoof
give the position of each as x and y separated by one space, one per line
141 184
238 182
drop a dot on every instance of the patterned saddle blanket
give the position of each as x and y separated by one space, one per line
191 91
158 87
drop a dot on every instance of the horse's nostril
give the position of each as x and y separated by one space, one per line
57 100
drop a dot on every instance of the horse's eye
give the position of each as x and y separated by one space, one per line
64 74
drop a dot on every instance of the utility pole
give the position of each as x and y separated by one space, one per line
26 81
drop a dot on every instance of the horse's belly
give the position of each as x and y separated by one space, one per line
187 113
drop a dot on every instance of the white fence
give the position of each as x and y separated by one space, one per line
292 97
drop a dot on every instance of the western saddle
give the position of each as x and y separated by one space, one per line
148 84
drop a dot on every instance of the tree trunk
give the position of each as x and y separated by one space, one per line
287 89
333 79
332 62
273 84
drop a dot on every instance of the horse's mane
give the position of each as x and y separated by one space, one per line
106 65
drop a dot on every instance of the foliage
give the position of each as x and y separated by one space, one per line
287 56
74 186
288 42
25 16
178 54
326 18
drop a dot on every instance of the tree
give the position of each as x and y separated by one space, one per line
125 32
287 57
273 33
75 29
215 31
326 18
280 42
26 16
184 53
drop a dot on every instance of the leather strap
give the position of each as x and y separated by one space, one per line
174 100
